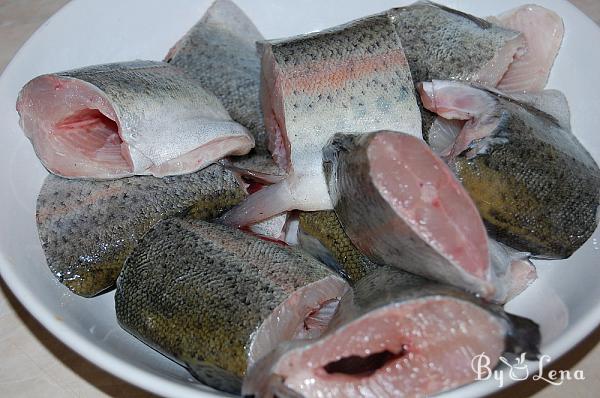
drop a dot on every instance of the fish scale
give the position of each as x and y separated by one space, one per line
215 299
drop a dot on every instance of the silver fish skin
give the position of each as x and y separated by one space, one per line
394 334
220 53
353 77
217 300
443 43
88 228
123 119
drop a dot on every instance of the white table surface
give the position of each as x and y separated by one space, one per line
35 364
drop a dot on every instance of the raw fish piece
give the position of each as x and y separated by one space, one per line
88 228
394 335
543 30
217 300
443 43
123 119
220 53
535 185
402 206
353 77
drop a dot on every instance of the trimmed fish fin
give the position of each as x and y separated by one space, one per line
544 31
260 172
315 248
259 206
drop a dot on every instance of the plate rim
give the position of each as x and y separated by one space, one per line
157 384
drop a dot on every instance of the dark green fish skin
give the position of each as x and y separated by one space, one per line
198 293
442 43
220 52
535 185
88 228
326 228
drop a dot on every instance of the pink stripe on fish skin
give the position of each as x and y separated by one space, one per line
312 76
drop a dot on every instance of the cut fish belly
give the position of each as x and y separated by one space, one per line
543 30
350 78
217 300
401 205
394 335
123 119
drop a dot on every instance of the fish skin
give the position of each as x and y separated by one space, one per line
373 224
353 77
326 228
162 116
443 43
220 52
202 294
88 228
536 187
385 287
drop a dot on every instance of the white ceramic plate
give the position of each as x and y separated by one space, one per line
565 300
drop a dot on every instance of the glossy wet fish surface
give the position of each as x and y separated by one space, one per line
536 187
122 119
88 228
216 300
395 334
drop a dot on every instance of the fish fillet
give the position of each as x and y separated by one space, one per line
123 119
220 53
447 44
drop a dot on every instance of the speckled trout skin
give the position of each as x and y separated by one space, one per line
335 248
215 299
443 43
353 77
129 118
220 52
366 354
88 228
536 187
